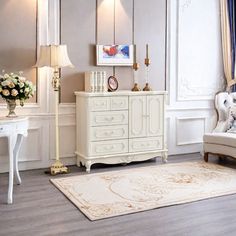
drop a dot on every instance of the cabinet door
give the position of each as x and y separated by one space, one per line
155 115
137 113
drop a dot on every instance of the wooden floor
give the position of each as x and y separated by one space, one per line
40 209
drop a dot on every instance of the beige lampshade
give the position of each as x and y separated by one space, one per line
55 56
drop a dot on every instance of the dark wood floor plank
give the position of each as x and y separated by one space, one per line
40 209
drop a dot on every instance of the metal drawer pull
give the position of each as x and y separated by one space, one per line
110 147
109 133
109 118
146 144
1 128
99 103
118 103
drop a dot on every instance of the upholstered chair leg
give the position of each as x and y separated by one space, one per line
206 156
222 158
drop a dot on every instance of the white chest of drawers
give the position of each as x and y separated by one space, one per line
120 127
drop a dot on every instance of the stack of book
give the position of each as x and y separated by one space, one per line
95 81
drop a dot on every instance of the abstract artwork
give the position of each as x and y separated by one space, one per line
115 55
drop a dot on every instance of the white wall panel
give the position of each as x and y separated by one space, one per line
67 141
67 137
32 151
190 130
194 71
199 56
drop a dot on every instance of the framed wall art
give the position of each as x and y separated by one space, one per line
115 55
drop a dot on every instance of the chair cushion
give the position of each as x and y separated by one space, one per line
227 139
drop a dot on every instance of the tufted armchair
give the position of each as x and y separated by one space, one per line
220 142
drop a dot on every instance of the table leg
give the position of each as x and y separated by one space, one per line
16 154
11 141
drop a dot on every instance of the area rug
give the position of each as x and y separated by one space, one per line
103 195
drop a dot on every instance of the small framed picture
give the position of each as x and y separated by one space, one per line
112 84
115 55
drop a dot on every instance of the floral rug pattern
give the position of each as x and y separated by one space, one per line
103 195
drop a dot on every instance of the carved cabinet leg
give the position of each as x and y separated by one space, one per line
164 157
88 166
206 156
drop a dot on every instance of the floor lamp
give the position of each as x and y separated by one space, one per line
55 56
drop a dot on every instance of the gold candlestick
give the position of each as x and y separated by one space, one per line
135 56
135 66
147 87
147 63
135 69
136 88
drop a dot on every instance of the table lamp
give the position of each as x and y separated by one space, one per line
55 56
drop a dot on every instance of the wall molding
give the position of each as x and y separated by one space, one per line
39 130
184 109
185 90
182 119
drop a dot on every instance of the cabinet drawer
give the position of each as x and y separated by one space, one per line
109 147
145 144
119 103
109 132
109 118
99 104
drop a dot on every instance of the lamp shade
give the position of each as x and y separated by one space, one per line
55 56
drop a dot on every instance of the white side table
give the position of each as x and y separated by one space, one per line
14 129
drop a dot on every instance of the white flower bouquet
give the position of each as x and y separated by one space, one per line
14 86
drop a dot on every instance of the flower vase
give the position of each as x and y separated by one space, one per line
11 105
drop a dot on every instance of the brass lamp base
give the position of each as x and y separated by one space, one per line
147 87
135 88
58 168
